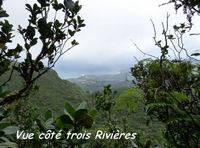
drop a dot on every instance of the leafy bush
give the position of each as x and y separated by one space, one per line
171 89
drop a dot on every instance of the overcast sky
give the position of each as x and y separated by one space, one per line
105 43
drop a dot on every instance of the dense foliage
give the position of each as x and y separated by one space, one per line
190 7
74 120
54 34
171 88
172 95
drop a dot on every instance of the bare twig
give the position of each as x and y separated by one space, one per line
143 51
195 34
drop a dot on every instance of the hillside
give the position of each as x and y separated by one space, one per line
52 93
96 82
129 114
131 101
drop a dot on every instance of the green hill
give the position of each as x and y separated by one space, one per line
128 114
52 93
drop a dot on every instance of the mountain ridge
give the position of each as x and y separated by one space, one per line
96 82
53 91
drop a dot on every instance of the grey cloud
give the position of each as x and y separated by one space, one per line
105 45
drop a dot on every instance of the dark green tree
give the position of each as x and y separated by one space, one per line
54 34
171 88
190 7
105 102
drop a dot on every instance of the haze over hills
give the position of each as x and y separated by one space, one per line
96 82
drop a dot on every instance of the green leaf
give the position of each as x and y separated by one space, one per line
28 7
93 113
77 7
8 144
30 32
3 125
6 27
80 114
153 106
69 110
195 54
3 13
57 24
64 121
3 92
74 43
40 125
82 25
49 123
69 4
57 6
48 115
179 96
80 21
71 33
175 27
18 48
42 2
10 130
183 31
87 121
40 65
33 42
170 37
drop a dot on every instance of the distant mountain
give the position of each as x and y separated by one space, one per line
96 82
52 93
